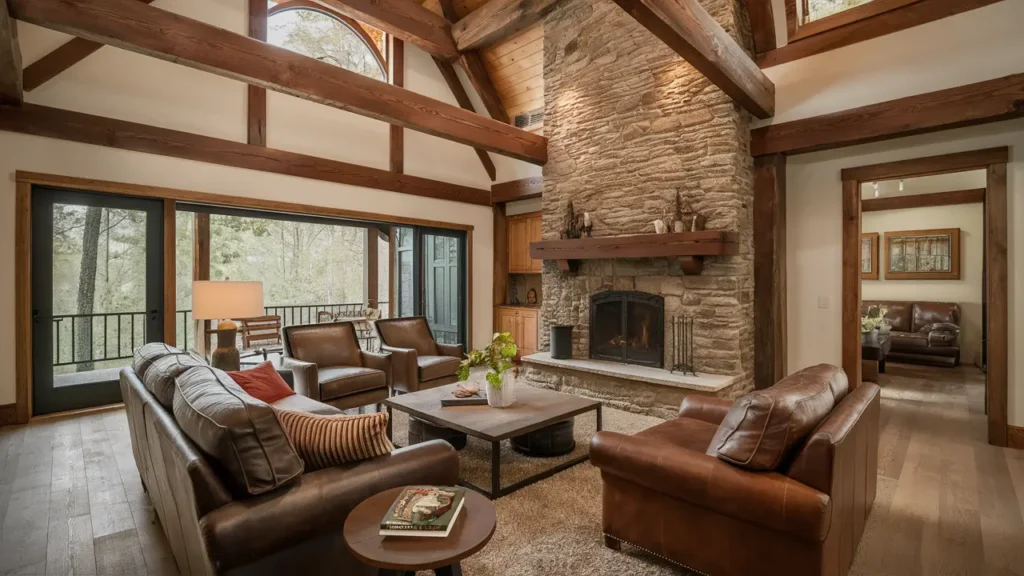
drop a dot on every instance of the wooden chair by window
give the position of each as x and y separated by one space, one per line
324 316
265 330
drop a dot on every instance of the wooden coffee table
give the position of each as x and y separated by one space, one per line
535 408
399 554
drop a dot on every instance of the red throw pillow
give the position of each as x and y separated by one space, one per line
262 382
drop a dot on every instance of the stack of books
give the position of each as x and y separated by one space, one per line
424 511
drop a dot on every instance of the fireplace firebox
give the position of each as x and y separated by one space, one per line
628 326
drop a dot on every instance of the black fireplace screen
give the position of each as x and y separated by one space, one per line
628 327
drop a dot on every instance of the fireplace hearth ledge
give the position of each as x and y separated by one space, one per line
706 383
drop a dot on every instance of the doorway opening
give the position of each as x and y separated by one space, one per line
934 331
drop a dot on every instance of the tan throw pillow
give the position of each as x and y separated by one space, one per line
763 428
325 441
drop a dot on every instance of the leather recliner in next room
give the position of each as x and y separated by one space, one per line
778 483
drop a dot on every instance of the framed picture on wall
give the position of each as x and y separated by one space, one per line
923 254
869 256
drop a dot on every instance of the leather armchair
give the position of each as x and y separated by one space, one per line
670 490
328 365
418 362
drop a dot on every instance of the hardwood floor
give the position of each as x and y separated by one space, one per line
948 504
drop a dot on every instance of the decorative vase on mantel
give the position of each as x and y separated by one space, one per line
506 395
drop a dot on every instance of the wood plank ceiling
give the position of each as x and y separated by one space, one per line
516 65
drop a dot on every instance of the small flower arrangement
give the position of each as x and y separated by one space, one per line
497 355
874 318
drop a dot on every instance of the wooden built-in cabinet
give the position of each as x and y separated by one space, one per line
522 230
522 323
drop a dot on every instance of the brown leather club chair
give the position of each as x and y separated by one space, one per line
418 362
778 483
329 366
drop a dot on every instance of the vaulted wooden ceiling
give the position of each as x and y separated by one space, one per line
515 65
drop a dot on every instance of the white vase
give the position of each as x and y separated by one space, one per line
504 397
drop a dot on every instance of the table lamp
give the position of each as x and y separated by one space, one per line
225 300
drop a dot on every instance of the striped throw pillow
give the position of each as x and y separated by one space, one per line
325 441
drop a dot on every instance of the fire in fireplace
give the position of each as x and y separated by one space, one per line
628 326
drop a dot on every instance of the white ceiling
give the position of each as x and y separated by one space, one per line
926 185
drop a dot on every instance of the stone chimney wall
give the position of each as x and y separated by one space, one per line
629 124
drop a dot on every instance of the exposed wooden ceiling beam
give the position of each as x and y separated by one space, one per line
875 26
523 189
100 131
455 85
497 20
134 26
921 200
473 64
762 24
688 29
980 103
10 59
60 59
405 19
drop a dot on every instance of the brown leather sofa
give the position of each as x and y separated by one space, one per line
418 362
778 483
293 529
922 332
330 367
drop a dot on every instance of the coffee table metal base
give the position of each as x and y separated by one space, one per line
497 491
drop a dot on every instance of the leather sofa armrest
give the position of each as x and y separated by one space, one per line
455 350
705 408
317 503
380 362
405 375
305 377
766 499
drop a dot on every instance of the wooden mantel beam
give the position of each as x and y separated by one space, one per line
497 20
137 27
688 29
10 59
404 19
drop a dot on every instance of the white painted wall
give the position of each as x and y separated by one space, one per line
129 86
974 46
967 291
814 235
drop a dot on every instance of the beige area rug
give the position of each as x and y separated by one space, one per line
553 526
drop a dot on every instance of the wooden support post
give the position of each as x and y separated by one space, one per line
372 268
769 270
257 101
170 288
851 282
997 300
392 275
10 59
201 271
396 64
500 254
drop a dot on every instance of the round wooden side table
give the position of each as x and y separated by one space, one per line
407 554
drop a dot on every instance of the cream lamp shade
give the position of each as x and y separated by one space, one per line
215 300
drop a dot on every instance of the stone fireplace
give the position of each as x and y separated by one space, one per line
628 326
631 125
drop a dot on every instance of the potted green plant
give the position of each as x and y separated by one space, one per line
872 320
497 355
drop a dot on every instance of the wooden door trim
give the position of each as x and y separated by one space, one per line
996 232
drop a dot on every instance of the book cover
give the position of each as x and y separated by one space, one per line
423 511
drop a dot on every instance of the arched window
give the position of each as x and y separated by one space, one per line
318 34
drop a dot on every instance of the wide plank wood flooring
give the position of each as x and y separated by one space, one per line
71 501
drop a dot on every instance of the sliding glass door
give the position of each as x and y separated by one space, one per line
97 281
431 279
